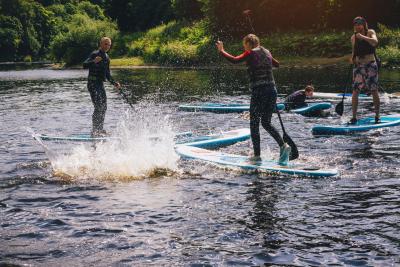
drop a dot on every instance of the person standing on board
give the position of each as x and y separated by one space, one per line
365 72
98 64
259 63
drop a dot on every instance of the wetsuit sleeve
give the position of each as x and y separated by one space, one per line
108 74
89 61
275 62
241 58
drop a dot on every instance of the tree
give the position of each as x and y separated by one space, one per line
10 37
139 15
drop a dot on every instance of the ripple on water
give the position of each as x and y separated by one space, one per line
130 204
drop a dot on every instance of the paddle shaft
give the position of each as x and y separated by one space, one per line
125 97
340 107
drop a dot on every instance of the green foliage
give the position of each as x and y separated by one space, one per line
93 11
81 38
390 55
139 15
38 26
10 37
388 36
187 9
173 43
309 44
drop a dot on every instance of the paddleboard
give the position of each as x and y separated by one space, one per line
311 108
85 137
221 107
208 141
219 140
362 125
238 161
340 95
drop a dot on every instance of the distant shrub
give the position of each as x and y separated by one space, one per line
82 37
390 55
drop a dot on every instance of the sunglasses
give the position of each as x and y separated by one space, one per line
358 22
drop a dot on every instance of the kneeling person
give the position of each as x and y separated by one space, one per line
298 98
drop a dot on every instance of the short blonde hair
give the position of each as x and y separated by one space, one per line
252 40
104 39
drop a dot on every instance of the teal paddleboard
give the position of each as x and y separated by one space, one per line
362 125
242 162
312 108
218 140
208 141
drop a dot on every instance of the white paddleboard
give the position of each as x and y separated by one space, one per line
238 161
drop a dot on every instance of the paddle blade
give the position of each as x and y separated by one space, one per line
339 108
294 151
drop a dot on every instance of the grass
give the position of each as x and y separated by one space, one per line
183 44
127 62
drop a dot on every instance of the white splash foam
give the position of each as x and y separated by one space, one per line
146 144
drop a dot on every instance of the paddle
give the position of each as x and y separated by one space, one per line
125 97
247 13
340 107
286 138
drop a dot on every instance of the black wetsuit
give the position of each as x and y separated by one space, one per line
98 73
296 100
263 93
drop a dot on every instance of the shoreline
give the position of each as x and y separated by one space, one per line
138 63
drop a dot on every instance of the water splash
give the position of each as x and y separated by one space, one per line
145 148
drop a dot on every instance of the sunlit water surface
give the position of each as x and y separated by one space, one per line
133 202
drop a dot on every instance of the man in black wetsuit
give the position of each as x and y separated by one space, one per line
298 98
98 64
259 63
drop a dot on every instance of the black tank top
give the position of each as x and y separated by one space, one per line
363 48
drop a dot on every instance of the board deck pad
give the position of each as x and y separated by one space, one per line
362 125
242 162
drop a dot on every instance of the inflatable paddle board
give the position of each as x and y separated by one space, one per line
362 125
238 161
219 140
221 107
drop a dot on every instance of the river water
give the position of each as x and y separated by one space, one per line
138 204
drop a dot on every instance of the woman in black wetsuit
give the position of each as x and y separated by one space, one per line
259 63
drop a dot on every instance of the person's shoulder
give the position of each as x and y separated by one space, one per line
371 31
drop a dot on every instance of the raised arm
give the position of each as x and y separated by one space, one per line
229 57
241 58
275 62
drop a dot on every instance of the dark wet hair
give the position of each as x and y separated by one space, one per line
309 88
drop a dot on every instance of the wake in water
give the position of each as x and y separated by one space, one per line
145 148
